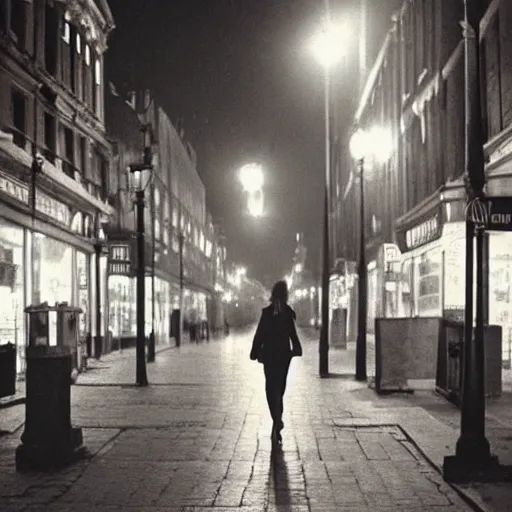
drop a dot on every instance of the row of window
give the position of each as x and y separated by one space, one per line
68 56
61 146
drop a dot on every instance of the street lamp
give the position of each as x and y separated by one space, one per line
376 143
99 244
140 178
255 203
251 177
181 241
328 49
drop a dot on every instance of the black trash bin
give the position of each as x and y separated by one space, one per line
7 370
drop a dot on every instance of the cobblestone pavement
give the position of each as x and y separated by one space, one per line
198 438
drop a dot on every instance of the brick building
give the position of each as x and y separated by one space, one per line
415 201
53 157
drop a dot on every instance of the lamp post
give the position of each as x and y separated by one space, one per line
327 47
473 460
358 148
99 244
141 175
377 144
151 342
181 240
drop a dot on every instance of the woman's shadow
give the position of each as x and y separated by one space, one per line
281 486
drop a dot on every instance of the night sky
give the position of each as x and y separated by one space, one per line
238 74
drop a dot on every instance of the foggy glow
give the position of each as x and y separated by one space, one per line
359 143
251 177
328 46
255 204
376 143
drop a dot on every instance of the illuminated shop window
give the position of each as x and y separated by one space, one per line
52 270
12 290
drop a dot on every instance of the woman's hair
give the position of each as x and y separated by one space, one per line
279 292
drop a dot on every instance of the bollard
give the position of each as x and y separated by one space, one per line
48 441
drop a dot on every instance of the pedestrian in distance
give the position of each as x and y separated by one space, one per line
271 346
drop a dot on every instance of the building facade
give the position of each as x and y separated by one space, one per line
176 208
53 157
415 200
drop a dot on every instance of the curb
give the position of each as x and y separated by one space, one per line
20 400
473 501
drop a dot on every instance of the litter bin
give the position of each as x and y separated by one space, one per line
48 441
7 370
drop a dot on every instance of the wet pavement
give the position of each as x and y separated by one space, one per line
199 438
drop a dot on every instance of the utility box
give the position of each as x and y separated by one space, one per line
56 326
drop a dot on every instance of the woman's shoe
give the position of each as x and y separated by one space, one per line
275 436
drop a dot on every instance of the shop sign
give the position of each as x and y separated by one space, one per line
499 213
423 233
53 208
391 254
44 203
119 259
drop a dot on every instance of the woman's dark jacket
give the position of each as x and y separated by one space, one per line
272 339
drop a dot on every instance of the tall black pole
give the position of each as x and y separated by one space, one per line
472 441
151 344
362 286
181 239
473 458
323 345
141 373
97 339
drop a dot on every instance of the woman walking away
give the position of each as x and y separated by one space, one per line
271 346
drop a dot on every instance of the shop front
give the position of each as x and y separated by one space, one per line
122 295
37 267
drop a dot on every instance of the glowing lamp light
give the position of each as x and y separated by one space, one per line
328 46
382 143
359 144
251 177
255 204
376 143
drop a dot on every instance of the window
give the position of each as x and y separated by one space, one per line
3 16
69 157
87 54
66 31
50 137
97 72
78 44
18 112
18 22
51 40
97 87
82 150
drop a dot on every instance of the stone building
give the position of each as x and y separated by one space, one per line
415 200
53 157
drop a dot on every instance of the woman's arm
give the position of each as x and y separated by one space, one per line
297 347
257 341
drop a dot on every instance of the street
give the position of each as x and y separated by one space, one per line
199 437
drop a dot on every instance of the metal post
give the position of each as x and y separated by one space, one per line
473 460
323 346
181 239
97 339
362 286
151 344
141 373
